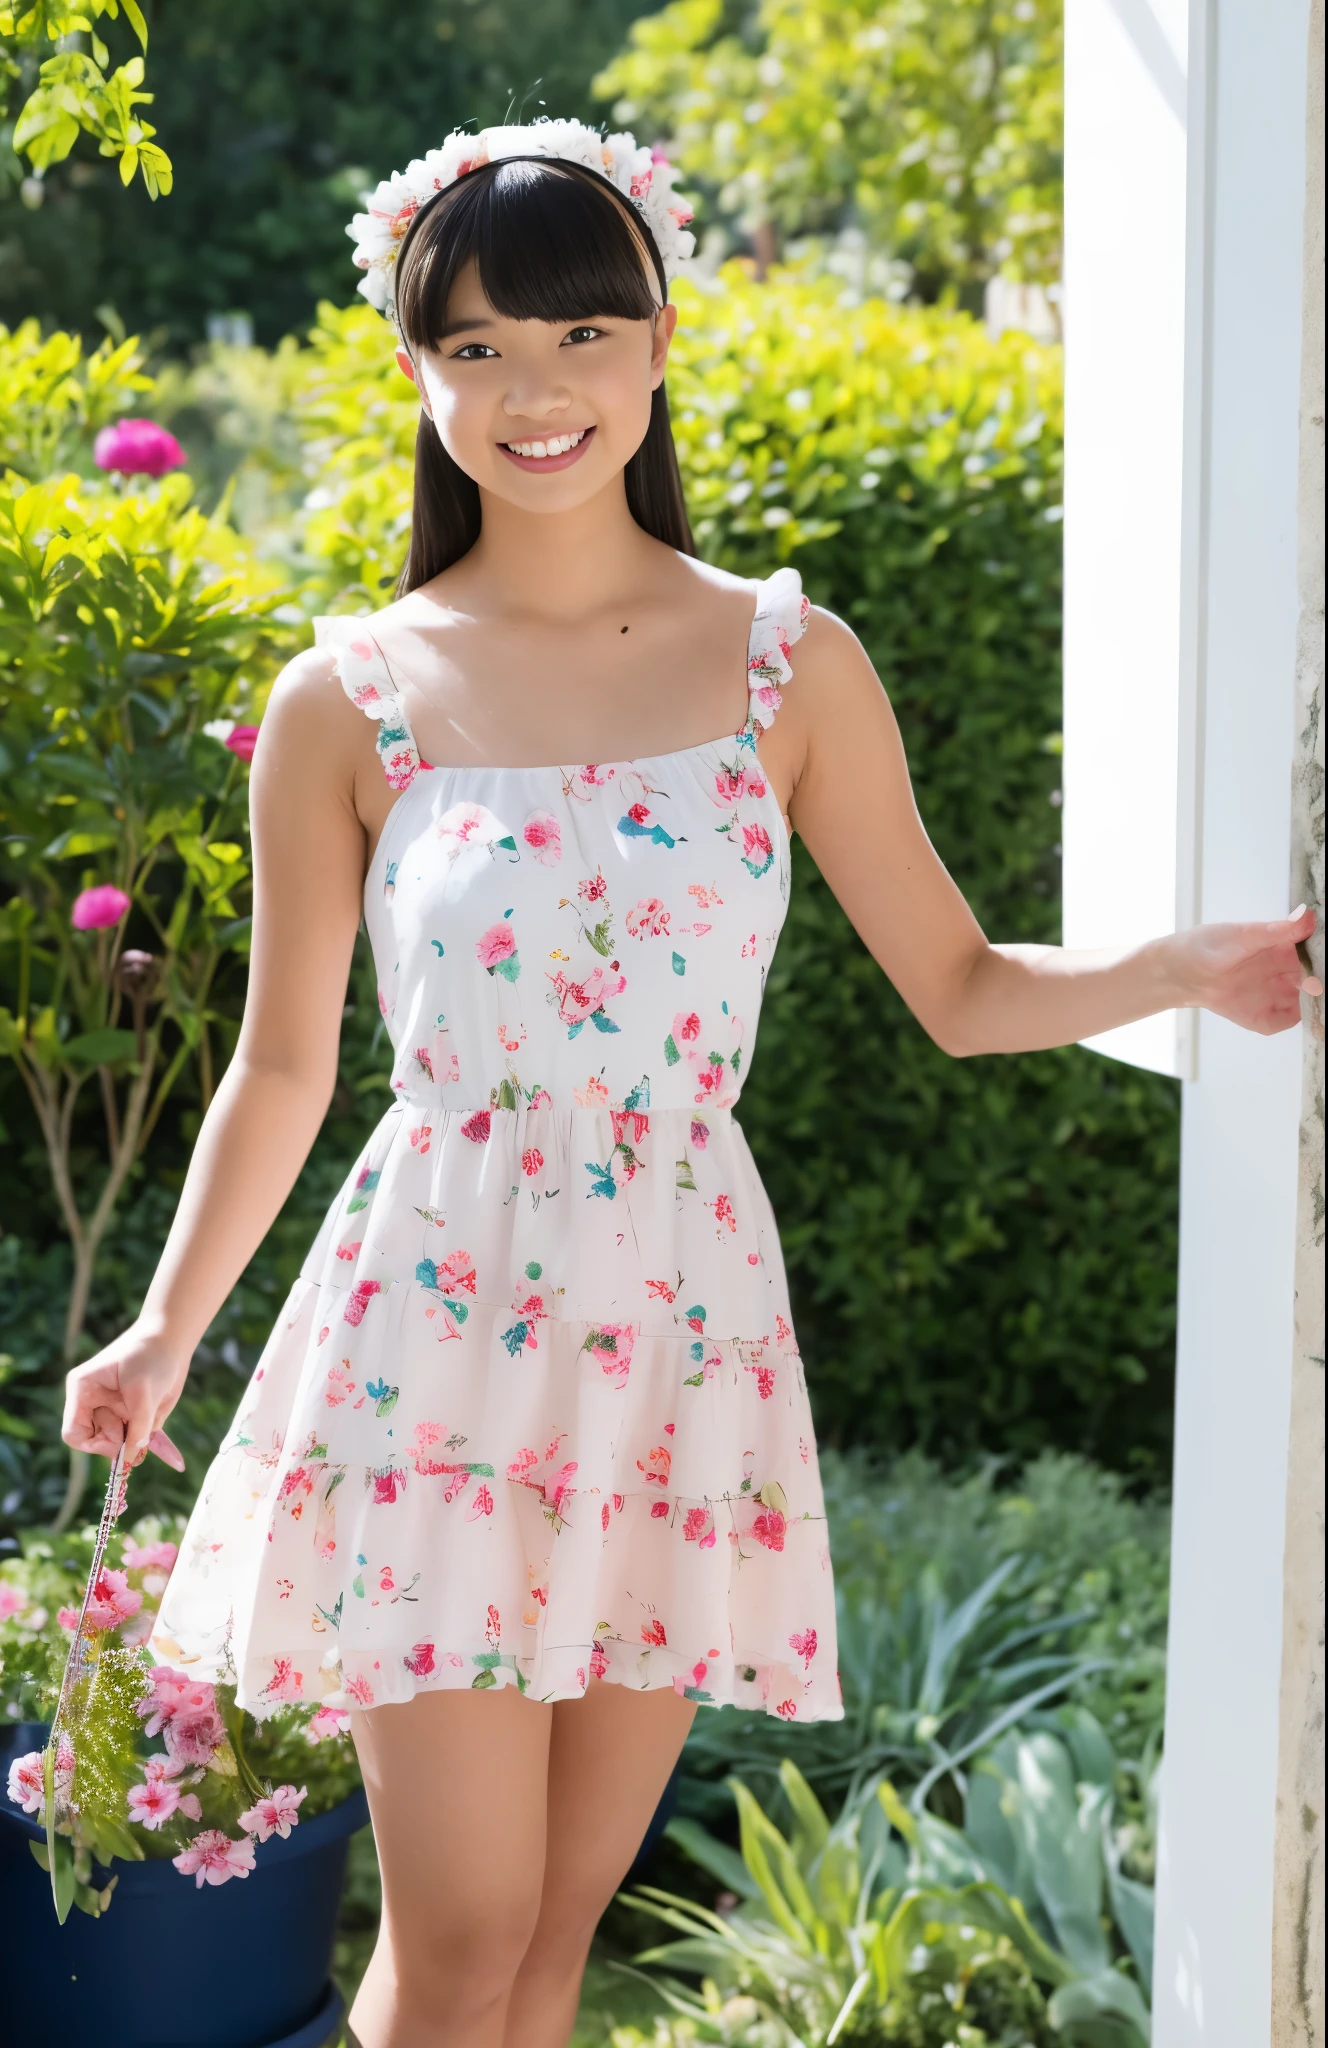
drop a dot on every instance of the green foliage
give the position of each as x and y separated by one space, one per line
277 116
892 1926
54 397
933 125
77 92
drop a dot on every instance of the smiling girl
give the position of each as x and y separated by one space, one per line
526 1472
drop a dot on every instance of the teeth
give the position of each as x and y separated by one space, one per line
539 450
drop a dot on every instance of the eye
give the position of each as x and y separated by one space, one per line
578 335
473 352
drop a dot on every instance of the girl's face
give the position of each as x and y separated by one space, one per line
540 413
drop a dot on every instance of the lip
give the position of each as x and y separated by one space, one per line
544 465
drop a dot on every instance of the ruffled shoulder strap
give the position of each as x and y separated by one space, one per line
780 621
367 682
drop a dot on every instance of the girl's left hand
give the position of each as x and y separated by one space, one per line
1251 974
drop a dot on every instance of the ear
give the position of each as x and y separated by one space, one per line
659 355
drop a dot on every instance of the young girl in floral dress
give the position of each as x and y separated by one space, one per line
526 1471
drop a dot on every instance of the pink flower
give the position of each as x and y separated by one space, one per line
769 1528
647 919
96 910
153 1802
212 1857
612 1344
756 846
532 1161
147 1557
360 1691
286 1683
137 448
686 1027
194 1735
652 1632
599 1662
12 1602
659 1510
113 1601
699 1528
477 1126
765 1380
578 1000
420 1660
544 836
326 1723
242 741
481 1505
170 1691
788 1708
495 946
276 1815
358 1300
67 1618
558 1491
700 1134
27 1787
804 1645
638 813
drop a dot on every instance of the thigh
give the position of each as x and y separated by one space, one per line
610 1757
457 1790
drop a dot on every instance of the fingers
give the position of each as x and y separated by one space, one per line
160 1444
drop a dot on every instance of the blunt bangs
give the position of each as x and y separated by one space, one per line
551 242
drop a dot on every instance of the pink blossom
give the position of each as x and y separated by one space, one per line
194 1734
96 910
532 1161
647 919
27 1786
544 836
612 1344
358 1300
804 1645
599 1662
169 1691
476 1127
153 1802
700 1134
652 1632
481 1505
420 1660
360 1691
144 1557
756 845
12 1602
326 1723
495 945
659 1510
788 1708
113 1601
212 1857
276 1815
769 1529
137 448
686 1027
242 740
578 1000
699 1528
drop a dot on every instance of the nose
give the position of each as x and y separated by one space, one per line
532 395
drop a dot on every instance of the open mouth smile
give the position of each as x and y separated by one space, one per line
555 451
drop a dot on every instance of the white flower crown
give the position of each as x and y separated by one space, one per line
644 176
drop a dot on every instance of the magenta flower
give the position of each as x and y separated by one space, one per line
12 1602
113 1601
95 910
212 1857
276 1815
327 1723
137 448
242 741
154 1802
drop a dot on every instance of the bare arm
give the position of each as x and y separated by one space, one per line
309 849
853 804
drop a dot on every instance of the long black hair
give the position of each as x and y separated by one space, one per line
554 242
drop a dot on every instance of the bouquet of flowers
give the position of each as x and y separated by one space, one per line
164 1765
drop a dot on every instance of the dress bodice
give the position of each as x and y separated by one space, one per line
592 934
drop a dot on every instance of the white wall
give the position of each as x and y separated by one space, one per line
1239 1156
1124 308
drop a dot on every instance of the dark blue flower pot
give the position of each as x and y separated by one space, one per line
241 1965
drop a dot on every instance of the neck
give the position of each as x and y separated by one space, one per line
559 566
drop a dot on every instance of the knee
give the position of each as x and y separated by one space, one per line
471 1961
569 1914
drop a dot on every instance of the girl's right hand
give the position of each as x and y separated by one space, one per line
124 1395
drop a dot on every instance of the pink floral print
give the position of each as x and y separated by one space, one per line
533 1414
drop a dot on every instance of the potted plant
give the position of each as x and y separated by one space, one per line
200 1848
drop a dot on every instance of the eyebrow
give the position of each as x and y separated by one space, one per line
462 327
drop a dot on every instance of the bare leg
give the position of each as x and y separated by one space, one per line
457 1789
609 1759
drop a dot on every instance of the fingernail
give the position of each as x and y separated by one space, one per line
1312 987
1299 911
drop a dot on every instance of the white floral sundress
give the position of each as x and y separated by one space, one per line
533 1412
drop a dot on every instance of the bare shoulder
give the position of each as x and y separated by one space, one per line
832 674
310 721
